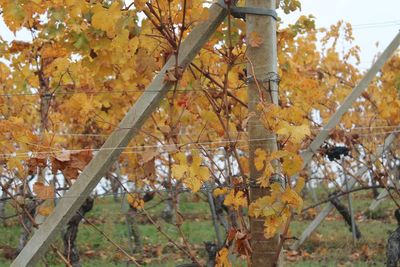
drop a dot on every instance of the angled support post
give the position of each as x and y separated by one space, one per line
375 203
118 140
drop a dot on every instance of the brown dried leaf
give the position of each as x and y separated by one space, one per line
80 159
70 173
149 155
243 244
173 74
63 156
18 46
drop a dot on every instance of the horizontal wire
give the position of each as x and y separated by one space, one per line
181 190
380 133
119 92
166 147
376 26
180 145
136 191
204 188
376 23
172 134
106 92
207 132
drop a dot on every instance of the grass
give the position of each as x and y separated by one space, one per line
330 245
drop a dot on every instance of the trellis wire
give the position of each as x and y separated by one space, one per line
207 132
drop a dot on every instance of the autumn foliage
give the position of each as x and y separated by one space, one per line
63 91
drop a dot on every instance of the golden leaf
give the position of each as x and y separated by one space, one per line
236 200
260 158
272 224
292 164
290 197
106 19
220 191
262 206
135 201
222 259
46 210
43 191
53 51
178 171
296 133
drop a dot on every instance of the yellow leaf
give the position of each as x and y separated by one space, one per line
262 206
135 201
296 133
220 191
212 120
254 210
15 164
290 197
236 200
58 66
14 15
133 44
300 132
292 164
260 158
181 158
222 259
193 183
268 211
106 19
276 188
178 171
278 154
264 180
272 224
191 174
203 173
120 42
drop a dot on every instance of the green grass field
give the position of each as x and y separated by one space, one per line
330 245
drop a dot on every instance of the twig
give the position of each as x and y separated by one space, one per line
339 194
34 224
110 240
156 225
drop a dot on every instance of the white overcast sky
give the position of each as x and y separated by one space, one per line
374 21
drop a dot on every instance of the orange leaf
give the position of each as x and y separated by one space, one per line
45 210
43 191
